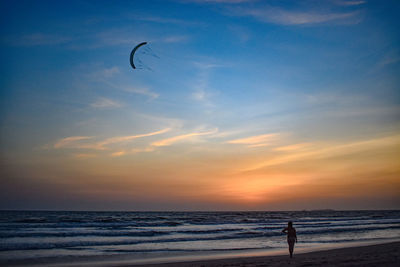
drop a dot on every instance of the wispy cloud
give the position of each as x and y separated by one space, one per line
105 103
166 20
175 39
172 140
119 139
294 147
157 19
83 142
389 58
70 141
84 155
102 74
201 88
242 33
256 141
117 37
327 150
222 1
109 72
141 150
118 154
281 16
77 142
110 77
142 91
132 151
207 65
201 95
127 36
38 39
349 2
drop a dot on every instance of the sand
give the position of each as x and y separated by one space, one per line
387 254
373 255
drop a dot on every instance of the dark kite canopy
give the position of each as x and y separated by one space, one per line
133 53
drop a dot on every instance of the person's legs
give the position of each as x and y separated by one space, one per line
291 247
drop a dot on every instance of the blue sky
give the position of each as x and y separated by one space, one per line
321 75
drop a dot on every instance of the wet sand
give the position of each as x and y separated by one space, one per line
386 254
373 255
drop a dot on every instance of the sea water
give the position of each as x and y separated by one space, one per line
33 235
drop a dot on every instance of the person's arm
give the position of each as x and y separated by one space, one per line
295 235
284 230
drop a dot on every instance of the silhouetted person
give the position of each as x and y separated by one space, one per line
291 237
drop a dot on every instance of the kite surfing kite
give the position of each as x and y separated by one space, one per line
133 54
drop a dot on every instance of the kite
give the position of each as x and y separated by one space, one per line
133 54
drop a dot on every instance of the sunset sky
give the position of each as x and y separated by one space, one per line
236 105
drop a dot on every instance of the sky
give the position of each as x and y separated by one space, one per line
235 105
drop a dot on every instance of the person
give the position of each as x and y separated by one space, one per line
291 237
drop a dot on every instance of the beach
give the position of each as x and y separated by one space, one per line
387 254
384 254
231 238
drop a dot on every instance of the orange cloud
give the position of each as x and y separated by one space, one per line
120 139
325 150
172 140
256 141
293 147
70 141
74 141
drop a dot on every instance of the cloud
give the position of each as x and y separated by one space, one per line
201 89
118 153
143 91
117 37
105 76
199 95
172 140
175 39
260 145
126 36
295 147
74 142
70 141
105 103
288 17
222 1
84 155
256 141
119 139
242 33
162 20
102 76
78 142
104 73
132 151
140 150
328 150
206 65
109 72
166 20
37 39
389 58
203 96
349 2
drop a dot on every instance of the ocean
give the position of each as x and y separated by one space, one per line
36 235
